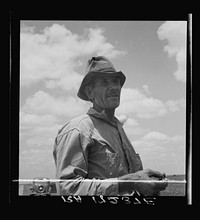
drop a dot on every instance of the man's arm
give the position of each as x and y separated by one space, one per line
71 157
146 182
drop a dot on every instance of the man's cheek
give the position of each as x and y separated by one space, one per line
101 102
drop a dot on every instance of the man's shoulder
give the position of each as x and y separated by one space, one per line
81 123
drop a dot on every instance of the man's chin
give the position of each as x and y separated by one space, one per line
114 102
114 105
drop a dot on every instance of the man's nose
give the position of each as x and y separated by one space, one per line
115 85
115 88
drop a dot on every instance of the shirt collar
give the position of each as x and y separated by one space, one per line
103 116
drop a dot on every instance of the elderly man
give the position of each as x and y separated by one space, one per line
92 153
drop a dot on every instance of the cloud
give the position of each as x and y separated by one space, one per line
135 102
37 130
96 42
42 115
33 119
146 89
131 126
154 135
175 105
43 103
152 138
154 142
161 152
68 82
175 34
54 55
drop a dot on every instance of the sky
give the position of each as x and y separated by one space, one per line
152 55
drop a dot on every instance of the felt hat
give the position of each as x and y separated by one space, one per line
97 67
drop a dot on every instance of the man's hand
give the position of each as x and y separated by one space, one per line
148 188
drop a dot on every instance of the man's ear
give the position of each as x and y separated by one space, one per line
89 92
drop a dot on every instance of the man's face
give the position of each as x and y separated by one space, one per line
106 92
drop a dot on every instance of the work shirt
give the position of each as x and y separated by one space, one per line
90 152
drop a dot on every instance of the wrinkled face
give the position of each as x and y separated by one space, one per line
106 92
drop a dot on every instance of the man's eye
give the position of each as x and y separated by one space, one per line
105 81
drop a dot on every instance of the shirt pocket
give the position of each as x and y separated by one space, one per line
113 163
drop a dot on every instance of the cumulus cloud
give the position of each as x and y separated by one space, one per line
69 81
155 136
152 138
135 102
42 115
138 104
175 34
131 126
146 89
175 105
44 103
156 150
37 130
33 119
53 55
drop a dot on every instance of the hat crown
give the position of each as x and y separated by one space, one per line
100 64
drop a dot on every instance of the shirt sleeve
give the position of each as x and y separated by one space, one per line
71 158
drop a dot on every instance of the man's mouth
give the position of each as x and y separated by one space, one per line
114 94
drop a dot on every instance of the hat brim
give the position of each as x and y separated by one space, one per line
93 75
